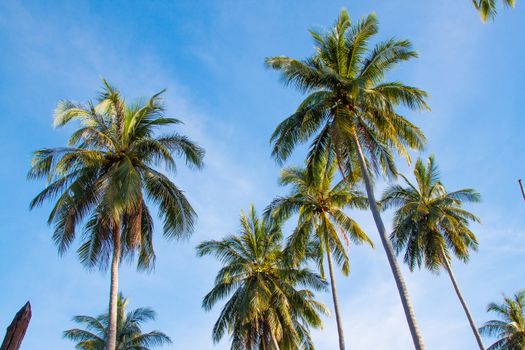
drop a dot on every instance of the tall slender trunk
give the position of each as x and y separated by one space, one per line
264 343
463 303
335 298
398 277
113 291
274 341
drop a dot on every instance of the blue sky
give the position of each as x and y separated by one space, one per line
209 55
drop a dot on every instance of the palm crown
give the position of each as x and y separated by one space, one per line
488 8
430 222
129 330
108 171
349 101
264 306
321 219
510 327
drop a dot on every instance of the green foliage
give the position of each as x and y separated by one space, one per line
106 175
129 332
264 299
322 222
509 328
430 222
350 113
348 100
488 8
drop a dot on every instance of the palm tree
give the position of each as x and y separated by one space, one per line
487 8
265 310
430 225
321 220
103 177
351 112
510 327
129 332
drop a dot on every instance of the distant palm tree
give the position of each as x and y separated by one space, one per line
129 332
487 8
351 111
430 224
265 310
510 327
103 178
321 219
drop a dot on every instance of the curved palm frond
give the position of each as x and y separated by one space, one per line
509 328
488 8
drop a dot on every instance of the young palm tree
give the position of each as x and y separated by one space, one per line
103 177
351 111
265 309
487 8
129 332
321 220
430 225
510 327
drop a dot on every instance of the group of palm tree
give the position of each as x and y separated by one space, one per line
112 170
350 114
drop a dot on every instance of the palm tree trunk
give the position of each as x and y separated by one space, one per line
463 303
113 292
274 341
335 298
398 277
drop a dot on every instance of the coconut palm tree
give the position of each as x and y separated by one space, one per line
105 177
509 328
265 309
129 332
350 112
487 8
321 220
431 225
